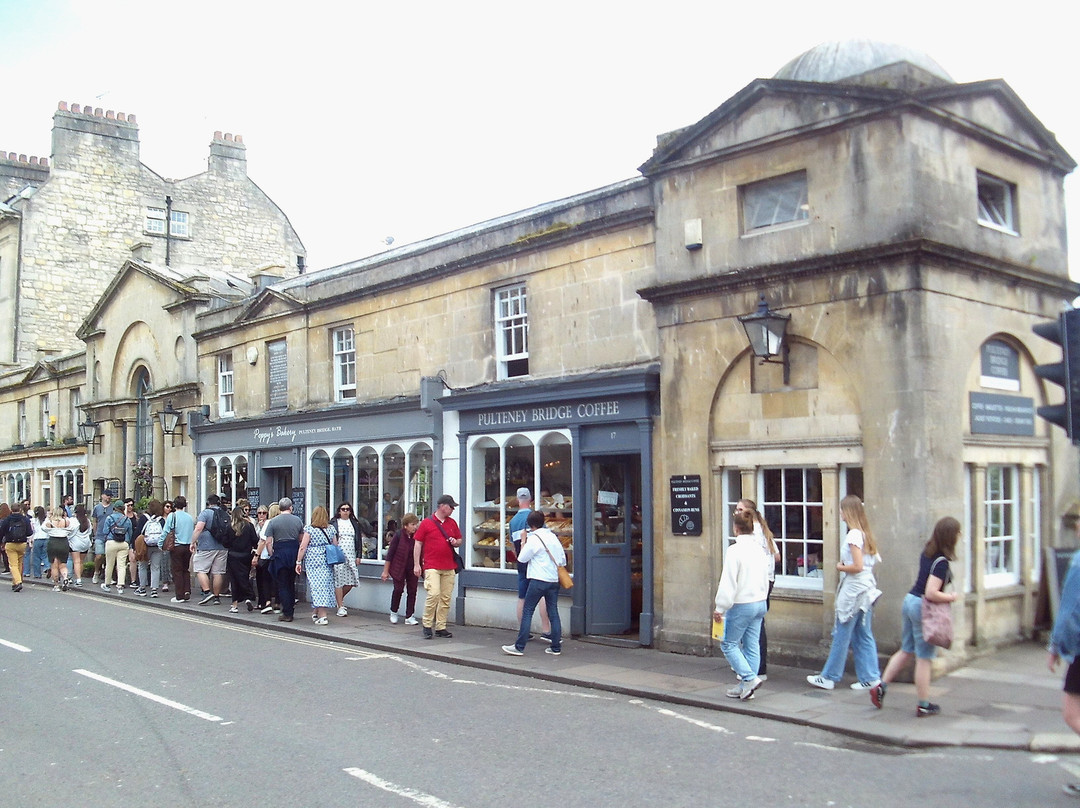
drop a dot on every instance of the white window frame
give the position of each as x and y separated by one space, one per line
74 410
179 224
790 581
511 329
775 203
344 346
46 417
225 385
155 221
1001 526
996 203
22 422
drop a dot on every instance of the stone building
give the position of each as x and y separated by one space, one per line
590 348
70 220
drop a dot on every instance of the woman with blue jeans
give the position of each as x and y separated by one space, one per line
855 597
933 575
544 554
740 603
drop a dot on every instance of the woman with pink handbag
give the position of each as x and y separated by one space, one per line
933 574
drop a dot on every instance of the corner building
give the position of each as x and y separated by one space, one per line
590 350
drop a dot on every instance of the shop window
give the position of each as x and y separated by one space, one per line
997 203
420 500
497 467
1002 528
210 479
393 489
341 474
320 482
344 364
367 484
225 482
512 332
240 469
225 385
774 202
791 502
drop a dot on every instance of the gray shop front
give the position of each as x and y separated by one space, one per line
584 448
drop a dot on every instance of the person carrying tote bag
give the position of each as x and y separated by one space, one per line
934 573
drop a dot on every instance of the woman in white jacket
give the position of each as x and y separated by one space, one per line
740 602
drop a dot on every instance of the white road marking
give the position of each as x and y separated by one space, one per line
408 663
15 646
147 695
419 797
760 738
672 714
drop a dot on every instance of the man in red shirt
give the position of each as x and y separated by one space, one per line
434 539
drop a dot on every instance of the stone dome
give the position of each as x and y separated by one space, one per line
836 61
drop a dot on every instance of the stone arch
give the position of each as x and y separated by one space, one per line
829 408
1031 386
136 347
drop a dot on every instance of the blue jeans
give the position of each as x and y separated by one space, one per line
742 633
859 635
549 591
37 560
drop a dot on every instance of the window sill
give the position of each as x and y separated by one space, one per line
1008 231
798 595
772 228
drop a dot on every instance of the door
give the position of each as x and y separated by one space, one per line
612 545
278 484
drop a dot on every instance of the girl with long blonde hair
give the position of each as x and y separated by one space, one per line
855 598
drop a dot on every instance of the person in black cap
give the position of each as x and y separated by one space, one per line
435 540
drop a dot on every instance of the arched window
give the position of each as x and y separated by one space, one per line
144 420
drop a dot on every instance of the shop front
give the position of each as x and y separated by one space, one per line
45 476
583 448
379 459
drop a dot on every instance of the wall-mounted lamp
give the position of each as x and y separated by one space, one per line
765 330
89 432
170 418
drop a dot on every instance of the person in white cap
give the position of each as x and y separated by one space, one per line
518 529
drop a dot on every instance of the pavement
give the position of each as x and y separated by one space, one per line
1006 699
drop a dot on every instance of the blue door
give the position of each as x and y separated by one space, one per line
613 543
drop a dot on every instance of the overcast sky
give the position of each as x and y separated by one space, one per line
368 120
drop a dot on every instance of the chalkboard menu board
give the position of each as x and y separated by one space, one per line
299 503
277 362
253 496
686 505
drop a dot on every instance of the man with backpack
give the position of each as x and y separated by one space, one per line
210 552
14 532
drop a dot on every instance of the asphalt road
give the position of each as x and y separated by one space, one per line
109 703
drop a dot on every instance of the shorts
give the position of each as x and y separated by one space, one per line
911 638
210 561
99 546
1072 678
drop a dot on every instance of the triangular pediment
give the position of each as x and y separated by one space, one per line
770 110
132 272
269 302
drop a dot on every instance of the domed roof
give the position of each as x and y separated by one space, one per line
835 61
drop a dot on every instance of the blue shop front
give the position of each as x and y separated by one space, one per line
583 447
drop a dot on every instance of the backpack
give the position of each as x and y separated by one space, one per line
16 529
220 528
152 531
119 529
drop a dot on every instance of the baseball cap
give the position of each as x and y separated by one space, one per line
523 493
446 499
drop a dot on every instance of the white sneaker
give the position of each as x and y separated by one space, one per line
342 612
97 580
865 685
820 681
393 617
321 621
106 588
411 621
119 590
512 650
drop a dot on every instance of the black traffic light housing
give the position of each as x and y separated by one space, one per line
1066 333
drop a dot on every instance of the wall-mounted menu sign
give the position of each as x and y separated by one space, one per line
277 363
686 505
253 496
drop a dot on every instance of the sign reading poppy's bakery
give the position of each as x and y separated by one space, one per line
686 505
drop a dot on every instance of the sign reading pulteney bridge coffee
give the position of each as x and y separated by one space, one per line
686 504
993 414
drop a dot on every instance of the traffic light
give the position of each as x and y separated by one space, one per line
1066 333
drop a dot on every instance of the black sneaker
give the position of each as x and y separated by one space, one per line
442 632
877 694
924 710
427 633
546 638
217 601
206 598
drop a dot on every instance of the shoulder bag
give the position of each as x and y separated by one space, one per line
459 565
565 581
937 626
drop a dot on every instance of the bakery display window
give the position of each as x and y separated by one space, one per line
498 465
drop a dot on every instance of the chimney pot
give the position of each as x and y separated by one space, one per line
217 135
62 106
44 163
110 114
239 138
97 112
131 118
75 108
